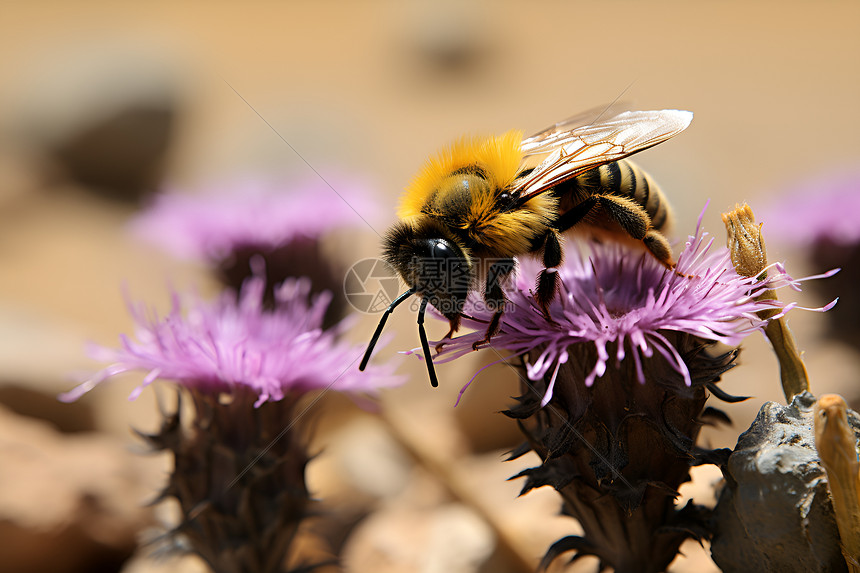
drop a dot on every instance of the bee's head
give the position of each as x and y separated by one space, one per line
433 262
437 267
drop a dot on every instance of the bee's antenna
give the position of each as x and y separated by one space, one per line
425 345
381 325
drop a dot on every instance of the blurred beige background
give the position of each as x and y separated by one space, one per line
367 90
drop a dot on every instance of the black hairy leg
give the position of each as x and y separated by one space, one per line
547 283
495 297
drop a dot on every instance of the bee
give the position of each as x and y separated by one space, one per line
481 202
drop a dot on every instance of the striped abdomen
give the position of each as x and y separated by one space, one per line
621 178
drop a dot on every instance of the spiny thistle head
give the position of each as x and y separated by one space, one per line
257 226
219 346
240 457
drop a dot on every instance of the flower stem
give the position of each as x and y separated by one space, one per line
792 370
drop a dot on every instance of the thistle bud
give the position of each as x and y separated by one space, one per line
746 243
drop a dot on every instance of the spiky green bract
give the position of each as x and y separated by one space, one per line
618 450
238 479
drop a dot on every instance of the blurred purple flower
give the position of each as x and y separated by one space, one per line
239 463
250 213
227 345
628 301
818 217
823 208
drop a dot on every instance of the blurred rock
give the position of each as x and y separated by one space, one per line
102 110
121 155
29 383
365 459
360 466
144 562
74 417
449 538
775 513
69 503
448 37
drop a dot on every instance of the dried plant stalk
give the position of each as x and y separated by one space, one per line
836 447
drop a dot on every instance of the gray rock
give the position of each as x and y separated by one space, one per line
775 512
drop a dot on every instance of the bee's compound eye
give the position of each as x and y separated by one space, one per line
505 196
446 254
441 250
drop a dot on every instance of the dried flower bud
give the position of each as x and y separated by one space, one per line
749 258
746 243
835 443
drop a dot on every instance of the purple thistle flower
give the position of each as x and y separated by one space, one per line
628 301
228 344
245 360
616 384
253 213
239 463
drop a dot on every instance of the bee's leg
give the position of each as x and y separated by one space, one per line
454 327
573 216
636 223
454 324
632 217
659 247
494 296
547 283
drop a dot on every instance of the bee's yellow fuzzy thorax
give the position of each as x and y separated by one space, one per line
499 156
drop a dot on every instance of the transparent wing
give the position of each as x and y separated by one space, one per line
574 151
583 119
